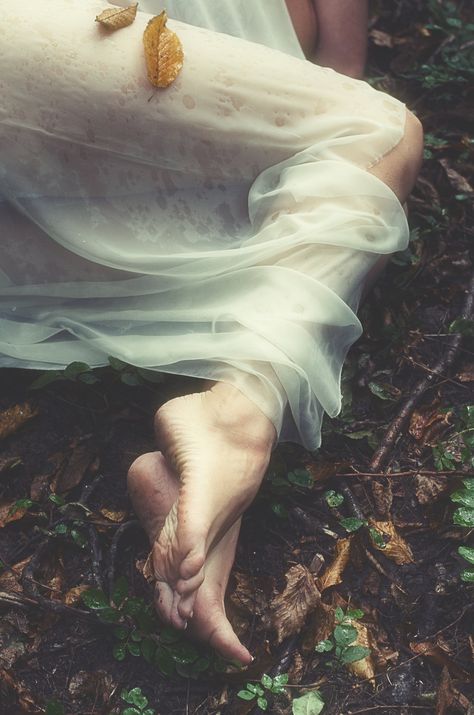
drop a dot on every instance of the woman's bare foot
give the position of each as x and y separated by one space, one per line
219 443
154 489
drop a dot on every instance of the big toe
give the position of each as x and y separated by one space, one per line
211 625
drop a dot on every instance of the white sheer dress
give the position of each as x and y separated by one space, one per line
220 228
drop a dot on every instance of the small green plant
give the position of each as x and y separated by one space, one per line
137 633
464 516
340 643
138 701
267 684
333 499
458 450
308 704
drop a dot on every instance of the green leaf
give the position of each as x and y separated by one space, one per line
201 664
136 697
262 703
169 635
119 651
384 391
24 503
339 614
333 499
54 707
74 369
133 606
467 552
301 478
463 496
130 378
351 523
469 483
279 510
464 517
95 599
60 529
353 653
467 575
133 649
377 537
136 636
121 633
245 695
109 615
45 379
324 646
463 326
148 711
164 662
309 704
344 635
117 364
131 711
280 679
266 681
355 614
120 591
148 648
56 499
184 652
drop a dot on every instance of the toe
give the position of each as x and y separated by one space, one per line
220 635
186 605
187 586
192 564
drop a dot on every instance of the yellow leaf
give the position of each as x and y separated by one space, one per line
333 573
363 668
73 596
116 18
14 417
116 516
396 548
163 52
291 608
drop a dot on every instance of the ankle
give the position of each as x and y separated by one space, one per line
237 412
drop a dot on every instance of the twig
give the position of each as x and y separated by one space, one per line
398 425
411 473
21 601
96 553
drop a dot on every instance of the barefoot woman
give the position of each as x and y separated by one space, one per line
222 228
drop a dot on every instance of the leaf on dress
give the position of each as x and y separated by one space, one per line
116 18
163 52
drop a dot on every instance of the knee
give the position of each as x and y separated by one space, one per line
414 137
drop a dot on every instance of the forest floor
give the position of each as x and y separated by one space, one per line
353 547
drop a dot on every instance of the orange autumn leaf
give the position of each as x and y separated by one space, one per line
163 52
116 18
333 573
396 548
15 417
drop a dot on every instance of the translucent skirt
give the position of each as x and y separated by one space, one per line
221 228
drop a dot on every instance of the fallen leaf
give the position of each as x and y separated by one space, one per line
25 700
427 424
437 654
382 39
333 573
247 596
445 695
73 596
115 516
396 548
73 467
116 18
320 626
465 375
40 487
163 52
458 182
10 578
383 495
15 417
363 668
291 608
7 514
428 489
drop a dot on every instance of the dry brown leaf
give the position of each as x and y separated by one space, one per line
115 516
380 38
73 596
428 489
439 656
458 182
291 608
445 694
363 668
163 52
25 700
247 596
466 374
396 548
15 417
40 487
5 516
116 18
74 467
333 573
319 628
383 495
10 579
427 425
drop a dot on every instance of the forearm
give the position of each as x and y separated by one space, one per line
342 35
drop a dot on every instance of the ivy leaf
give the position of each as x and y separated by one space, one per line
344 635
246 695
467 552
351 523
467 575
134 649
262 703
354 653
135 697
266 681
119 652
309 704
333 499
324 646
95 599
464 517
301 478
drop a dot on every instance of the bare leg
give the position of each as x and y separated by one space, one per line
154 488
341 35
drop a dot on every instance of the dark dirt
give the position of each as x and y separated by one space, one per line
419 615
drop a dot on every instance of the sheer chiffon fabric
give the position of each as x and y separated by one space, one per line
220 228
